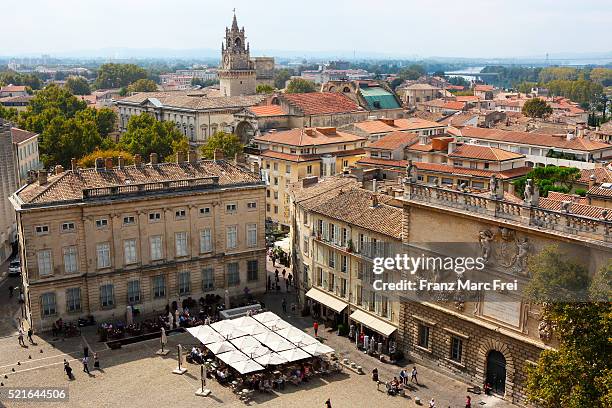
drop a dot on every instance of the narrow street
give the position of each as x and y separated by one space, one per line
8 306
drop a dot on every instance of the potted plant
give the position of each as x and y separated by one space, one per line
349 246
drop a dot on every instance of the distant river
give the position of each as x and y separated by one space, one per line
468 70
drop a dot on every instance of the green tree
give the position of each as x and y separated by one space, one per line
281 77
578 372
15 78
78 85
602 76
536 108
142 85
299 85
9 114
204 83
89 160
553 73
47 104
146 135
525 86
228 143
118 75
551 178
105 119
264 89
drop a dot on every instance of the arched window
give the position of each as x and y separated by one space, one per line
275 101
237 42
346 89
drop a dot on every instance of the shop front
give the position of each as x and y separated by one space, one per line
327 307
373 333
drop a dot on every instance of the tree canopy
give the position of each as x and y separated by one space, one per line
264 89
9 114
78 85
536 108
412 72
300 85
551 178
146 135
228 143
118 75
281 77
578 372
142 85
89 160
16 78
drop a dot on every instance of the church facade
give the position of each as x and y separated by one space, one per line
238 73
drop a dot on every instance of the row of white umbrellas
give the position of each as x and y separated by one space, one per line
249 343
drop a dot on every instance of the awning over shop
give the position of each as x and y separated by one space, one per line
325 299
373 323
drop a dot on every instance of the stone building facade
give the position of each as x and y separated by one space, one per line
94 241
8 185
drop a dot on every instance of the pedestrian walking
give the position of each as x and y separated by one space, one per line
328 404
315 326
432 403
284 273
269 283
468 401
403 375
96 361
85 362
68 370
284 305
11 288
290 277
20 337
276 275
30 333
286 285
413 375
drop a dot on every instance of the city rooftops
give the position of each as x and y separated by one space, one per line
190 101
470 151
385 125
394 140
108 182
20 135
320 103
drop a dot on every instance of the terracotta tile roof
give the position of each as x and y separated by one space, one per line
16 99
69 186
536 139
602 175
354 206
312 195
458 119
20 135
557 196
387 125
441 103
13 88
484 88
470 151
423 87
421 147
445 168
309 137
319 103
194 101
600 191
394 140
267 110
578 209
467 98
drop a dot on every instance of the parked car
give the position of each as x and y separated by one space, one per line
14 268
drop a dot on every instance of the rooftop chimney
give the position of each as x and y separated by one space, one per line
592 180
218 154
120 162
59 169
42 177
137 160
374 186
374 200
180 156
73 165
108 163
256 168
309 181
192 156
452 146
153 158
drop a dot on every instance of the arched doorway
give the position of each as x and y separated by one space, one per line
496 371
245 131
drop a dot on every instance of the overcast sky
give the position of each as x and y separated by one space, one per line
453 28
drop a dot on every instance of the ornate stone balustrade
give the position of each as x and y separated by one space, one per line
563 222
144 188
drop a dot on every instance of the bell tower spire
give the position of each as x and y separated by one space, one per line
237 73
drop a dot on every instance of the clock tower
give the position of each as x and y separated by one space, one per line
237 75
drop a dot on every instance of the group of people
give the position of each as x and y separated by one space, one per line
287 278
20 336
84 361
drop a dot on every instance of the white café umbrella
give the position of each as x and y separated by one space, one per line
265 317
249 325
232 357
228 329
274 341
276 325
256 351
205 334
271 359
317 349
129 315
296 336
246 366
294 354
220 347
245 342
